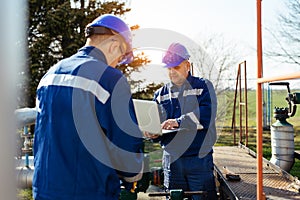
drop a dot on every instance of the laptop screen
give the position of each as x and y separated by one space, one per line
147 115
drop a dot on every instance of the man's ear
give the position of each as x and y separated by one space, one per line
188 66
113 47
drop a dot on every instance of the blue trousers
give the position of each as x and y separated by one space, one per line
190 174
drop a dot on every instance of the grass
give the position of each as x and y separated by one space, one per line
24 194
277 100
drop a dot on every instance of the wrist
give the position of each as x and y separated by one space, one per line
178 120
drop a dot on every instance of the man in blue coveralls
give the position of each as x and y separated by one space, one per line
86 134
190 103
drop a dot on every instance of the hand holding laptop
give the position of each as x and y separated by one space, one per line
170 124
150 135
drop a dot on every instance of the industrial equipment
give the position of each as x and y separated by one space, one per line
282 132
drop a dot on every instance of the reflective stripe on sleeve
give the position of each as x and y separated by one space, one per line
136 177
195 120
76 82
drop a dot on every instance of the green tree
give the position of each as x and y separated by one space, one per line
147 92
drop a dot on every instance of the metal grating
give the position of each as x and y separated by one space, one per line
240 161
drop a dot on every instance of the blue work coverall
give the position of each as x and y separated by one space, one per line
86 134
187 156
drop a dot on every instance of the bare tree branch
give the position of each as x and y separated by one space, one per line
286 45
286 53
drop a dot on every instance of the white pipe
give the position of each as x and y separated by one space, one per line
12 54
25 116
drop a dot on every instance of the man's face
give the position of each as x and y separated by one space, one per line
179 73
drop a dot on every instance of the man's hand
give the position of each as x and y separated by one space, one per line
151 136
169 124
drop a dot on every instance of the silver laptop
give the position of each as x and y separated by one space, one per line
148 117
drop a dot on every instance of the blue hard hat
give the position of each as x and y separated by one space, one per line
116 24
175 55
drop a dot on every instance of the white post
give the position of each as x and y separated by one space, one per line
12 54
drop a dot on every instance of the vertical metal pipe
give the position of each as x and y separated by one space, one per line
246 104
259 131
240 105
12 23
233 125
26 146
270 112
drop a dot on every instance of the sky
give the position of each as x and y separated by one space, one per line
235 20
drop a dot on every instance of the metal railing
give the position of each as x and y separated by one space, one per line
243 105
